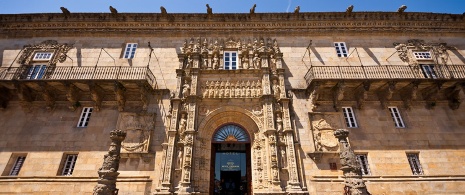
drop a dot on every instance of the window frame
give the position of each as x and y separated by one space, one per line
342 50
398 121
130 50
364 169
351 121
38 55
85 116
69 162
414 162
36 71
422 55
18 162
225 60
429 71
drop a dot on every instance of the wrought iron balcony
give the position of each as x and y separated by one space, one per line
117 73
390 72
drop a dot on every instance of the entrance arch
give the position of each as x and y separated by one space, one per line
230 173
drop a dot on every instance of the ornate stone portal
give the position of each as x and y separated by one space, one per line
256 94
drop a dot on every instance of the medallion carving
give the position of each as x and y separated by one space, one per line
138 128
323 127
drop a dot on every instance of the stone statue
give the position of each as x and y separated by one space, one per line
283 157
182 125
252 10
65 11
279 122
401 9
179 165
256 61
245 62
108 173
209 10
276 89
185 90
113 10
349 9
350 167
215 64
297 10
163 10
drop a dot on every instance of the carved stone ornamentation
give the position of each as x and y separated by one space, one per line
120 92
108 173
323 135
231 89
438 51
59 52
96 94
139 128
350 166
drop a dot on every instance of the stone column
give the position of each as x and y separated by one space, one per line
293 183
350 167
108 173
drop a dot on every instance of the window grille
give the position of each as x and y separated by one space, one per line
17 166
415 165
85 117
341 49
398 122
349 116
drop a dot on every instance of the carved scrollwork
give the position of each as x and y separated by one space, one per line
59 52
438 50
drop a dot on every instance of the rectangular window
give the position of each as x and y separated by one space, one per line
428 71
414 162
130 50
17 166
341 49
85 116
42 56
230 60
333 166
422 55
398 122
36 72
349 116
363 161
68 166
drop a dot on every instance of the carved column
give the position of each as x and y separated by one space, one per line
188 146
272 157
108 173
293 183
350 167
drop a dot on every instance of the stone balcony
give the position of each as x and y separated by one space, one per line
387 83
75 84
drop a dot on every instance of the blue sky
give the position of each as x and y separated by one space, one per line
228 6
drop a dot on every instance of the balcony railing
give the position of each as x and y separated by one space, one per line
384 72
79 73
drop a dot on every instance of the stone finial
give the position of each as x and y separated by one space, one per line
252 10
163 10
297 10
209 10
401 9
113 10
349 9
65 11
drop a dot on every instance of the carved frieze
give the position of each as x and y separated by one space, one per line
59 52
139 128
323 127
232 89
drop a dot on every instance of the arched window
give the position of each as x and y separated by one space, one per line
231 133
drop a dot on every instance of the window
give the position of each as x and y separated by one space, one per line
130 50
414 162
341 49
422 55
363 161
349 117
85 116
43 56
36 71
17 166
396 117
230 60
428 71
68 166
333 166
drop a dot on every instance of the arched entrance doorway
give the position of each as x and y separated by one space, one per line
230 166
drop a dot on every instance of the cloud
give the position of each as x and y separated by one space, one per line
288 5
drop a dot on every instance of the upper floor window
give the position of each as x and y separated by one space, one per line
42 56
17 166
85 116
68 164
130 50
424 55
36 71
341 49
395 114
349 116
230 60
414 162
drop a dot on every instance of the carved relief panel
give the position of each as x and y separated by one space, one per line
139 128
323 126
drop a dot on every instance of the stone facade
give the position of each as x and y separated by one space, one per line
288 89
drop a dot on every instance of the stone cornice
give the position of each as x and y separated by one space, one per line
24 25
